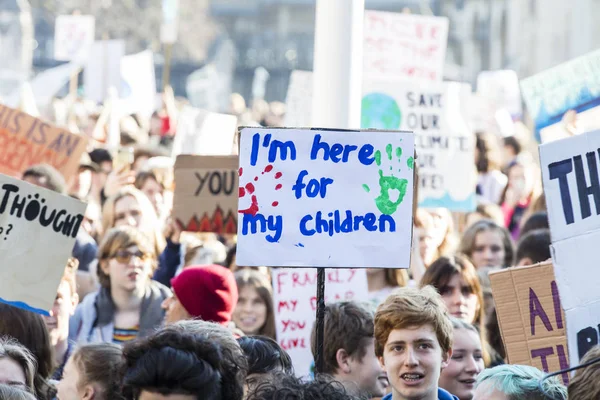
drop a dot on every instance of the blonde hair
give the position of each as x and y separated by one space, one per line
467 244
148 213
119 238
410 307
262 286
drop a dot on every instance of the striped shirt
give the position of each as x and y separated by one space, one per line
121 335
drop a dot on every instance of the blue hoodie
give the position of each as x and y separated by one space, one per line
442 395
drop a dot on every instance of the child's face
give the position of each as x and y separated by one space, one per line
413 360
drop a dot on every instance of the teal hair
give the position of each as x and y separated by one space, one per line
522 382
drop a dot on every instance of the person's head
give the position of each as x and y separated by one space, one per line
585 385
254 313
455 279
206 292
349 348
104 160
129 207
265 358
17 364
487 152
413 341
537 220
426 232
485 211
534 247
234 364
94 371
64 304
466 362
8 392
512 148
29 329
126 260
516 382
289 387
147 183
523 178
46 176
393 277
443 230
176 365
488 245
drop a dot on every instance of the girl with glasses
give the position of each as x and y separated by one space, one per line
128 303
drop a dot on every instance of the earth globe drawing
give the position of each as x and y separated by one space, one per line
380 111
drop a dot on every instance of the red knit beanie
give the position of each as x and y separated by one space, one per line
207 292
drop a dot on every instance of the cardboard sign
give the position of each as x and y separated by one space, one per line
295 304
103 69
502 88
574 85
531 319
438 114
139 84
27 141
324 198
206 193
570 171
37 233
204 133
73 35
404 45
298 102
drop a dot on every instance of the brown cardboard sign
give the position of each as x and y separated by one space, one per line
531 318
206 193
27 141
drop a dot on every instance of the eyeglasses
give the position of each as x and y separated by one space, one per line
124 256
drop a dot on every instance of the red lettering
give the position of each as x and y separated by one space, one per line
334 276
289 305
352 273
292 343
303 279
293 325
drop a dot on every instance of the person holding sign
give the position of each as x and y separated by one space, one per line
128 303
413 341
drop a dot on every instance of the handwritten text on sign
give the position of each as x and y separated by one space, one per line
37 233
325 198
295 304
405 45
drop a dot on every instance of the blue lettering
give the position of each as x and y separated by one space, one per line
365 155
369 223
282 148
349 148
299 185
258 223
303 222
254 153
336 150
316 146
324 183
275 225
312 190
386 218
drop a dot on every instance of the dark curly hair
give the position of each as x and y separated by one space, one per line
173 362
288 387
264 355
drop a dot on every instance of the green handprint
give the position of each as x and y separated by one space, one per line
390 182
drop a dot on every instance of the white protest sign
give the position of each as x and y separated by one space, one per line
139 84
438 114
298 102
324 198
570 171
501 87
73 35
37 233
204 133
295 304
103 69
404 45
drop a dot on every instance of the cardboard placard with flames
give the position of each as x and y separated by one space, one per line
206 193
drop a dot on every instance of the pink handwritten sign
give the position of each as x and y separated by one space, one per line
404 45
295 304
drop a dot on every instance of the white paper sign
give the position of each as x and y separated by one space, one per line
73 35
204 133
438 114
103 69
582 330
138 88
295 303
37 233
501 87
404 45
325 198
298 103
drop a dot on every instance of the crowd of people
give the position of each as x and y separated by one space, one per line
147 311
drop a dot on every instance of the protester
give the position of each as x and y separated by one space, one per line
487 245
585 385
8 392
490 182
128 303
288 387
94 371
80 185
534 247
17 365
466 361
349 349
443 231
413 341
265 358
383 281
485 211
254 313
29 329
428 248
512 148
206 292
57 322
507 382
537 220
